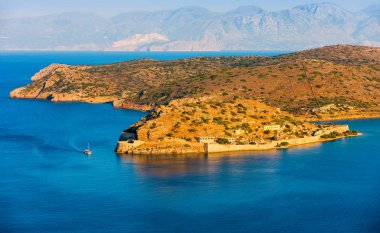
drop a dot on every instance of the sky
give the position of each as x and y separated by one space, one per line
106 8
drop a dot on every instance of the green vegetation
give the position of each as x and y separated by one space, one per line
283 144
154 125
294 82
223 141
351 133
333 134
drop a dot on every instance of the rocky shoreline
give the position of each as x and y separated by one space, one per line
134 147
213 104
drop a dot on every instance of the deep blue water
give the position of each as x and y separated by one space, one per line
48 185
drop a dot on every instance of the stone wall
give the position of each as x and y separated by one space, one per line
164 147
212 148
125 147
135 147
337 128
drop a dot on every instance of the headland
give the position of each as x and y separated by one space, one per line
211 104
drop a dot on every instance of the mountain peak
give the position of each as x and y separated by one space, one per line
373 10
314 8
246 10
192 9
323 10
194 28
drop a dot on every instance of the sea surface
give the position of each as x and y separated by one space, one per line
48 185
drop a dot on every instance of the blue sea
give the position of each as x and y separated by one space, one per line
48 185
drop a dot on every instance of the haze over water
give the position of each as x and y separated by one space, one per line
48 185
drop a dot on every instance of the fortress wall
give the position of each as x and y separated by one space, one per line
133 148
125 147
337 128
212 148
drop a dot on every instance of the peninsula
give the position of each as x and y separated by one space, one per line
215 124
212 104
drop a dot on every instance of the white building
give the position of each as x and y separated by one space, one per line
205 139
272 127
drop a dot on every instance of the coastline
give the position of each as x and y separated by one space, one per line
223 109
377 116
174 146
232 149
291 146
146 108
115 103
222 148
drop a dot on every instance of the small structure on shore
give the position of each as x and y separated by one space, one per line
272 127
205 139
231 139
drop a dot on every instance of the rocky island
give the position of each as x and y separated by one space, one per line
214 104
215 124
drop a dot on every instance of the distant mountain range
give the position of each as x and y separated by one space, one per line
196 29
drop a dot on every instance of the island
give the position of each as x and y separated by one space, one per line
217 104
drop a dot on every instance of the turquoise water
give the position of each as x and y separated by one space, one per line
48 185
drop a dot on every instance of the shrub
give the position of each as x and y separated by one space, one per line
352 132
246 127
333 134
186 118
205 120
223 141
284 144
219 121
228 134
274 138
177 125
154 125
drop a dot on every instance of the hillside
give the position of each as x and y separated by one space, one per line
226 118
195 29
341 54
332 82
206 125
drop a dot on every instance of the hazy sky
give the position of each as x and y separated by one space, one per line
21 8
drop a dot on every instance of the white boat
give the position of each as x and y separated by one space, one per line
87 151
